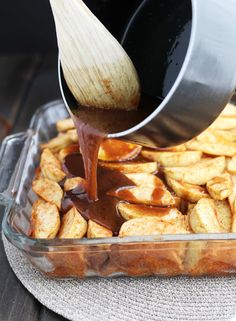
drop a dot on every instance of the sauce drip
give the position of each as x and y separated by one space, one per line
92 126
104 210
89 139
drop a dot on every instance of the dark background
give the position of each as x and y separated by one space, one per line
27 25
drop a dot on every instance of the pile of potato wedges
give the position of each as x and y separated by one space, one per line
195 193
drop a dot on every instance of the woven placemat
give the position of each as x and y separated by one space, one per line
128 299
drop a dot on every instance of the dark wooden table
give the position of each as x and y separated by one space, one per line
26 82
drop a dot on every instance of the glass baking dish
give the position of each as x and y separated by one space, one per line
168 255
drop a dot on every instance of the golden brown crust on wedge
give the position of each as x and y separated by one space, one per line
231 165
217 148
73 136
145 179
59 142
64 125
223 215
223 122
95 230
45 220
156 196
73 225
74 182
232 204
226 135
48 190
152 226
220 187
178 148
189 192
131 167
51 166
131 211
229 111
173 158
203 217
211 136
199 173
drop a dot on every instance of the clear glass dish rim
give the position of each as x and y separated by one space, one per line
22 240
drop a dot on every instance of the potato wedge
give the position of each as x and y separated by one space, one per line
229 135
73 225
216 149
38 173
229 111
178 202
131 211
232 196
190 207
199 173
194 255
131 167
220 187
67 151
231 165
72 134
233 228
212 258
65 124
189 192
59 142
116 150
210 135
145 179
48 190
151 226
51 166
187 223
232 204
75 182
70 263
225 123
96 230
45 220
203 217
144 195
178 148
173 158
223 215
154 258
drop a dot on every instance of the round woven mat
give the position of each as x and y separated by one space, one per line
127 299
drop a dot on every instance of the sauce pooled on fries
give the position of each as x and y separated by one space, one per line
92 126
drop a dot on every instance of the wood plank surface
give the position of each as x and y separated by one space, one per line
16 74
43 89
26 82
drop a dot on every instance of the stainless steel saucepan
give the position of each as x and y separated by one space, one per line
185 55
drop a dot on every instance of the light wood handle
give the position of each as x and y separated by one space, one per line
96 68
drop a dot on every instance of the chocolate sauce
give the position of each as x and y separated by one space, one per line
104 210
92 126
90 139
